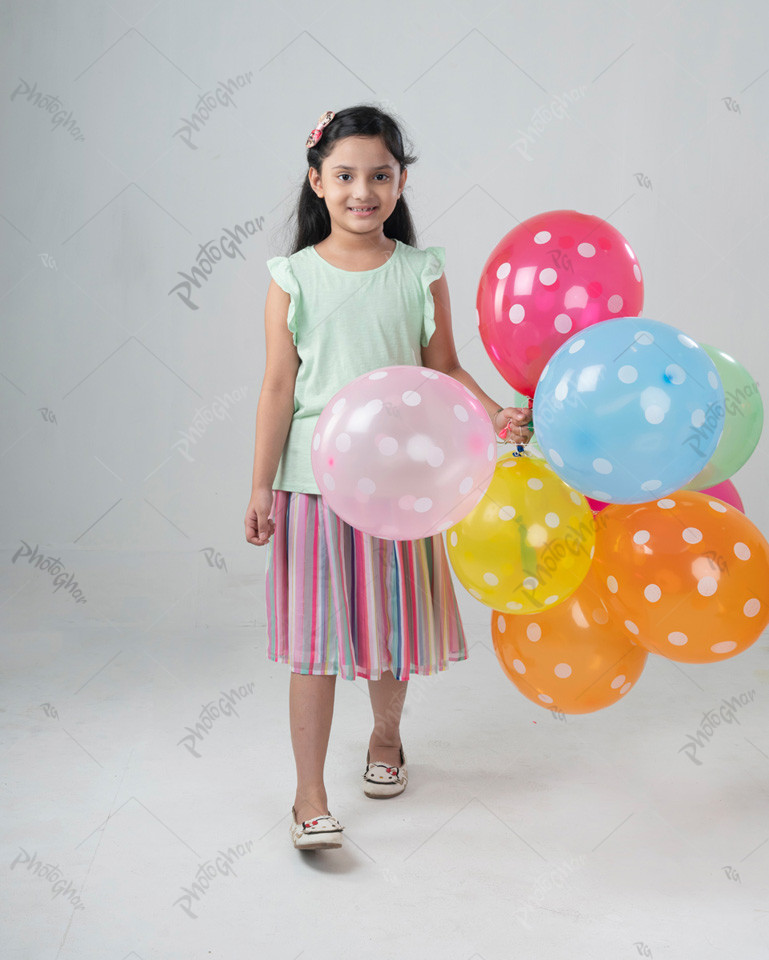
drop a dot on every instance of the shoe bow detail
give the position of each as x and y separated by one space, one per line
324 824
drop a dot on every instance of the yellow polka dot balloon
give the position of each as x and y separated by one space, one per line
528 543
574 658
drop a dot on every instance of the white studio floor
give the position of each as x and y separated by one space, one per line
519 836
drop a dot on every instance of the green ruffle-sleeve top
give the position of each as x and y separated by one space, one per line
345 323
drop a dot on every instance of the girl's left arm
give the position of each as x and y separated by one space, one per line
440 354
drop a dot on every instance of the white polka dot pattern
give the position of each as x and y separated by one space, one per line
531 532
752 607
385 464
652 592
646 388
690 575
723 646
707 586
575 676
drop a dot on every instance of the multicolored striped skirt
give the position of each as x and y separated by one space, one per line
340 601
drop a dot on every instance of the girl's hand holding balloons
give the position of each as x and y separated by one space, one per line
513 424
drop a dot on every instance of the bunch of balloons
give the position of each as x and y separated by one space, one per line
625 535
642 427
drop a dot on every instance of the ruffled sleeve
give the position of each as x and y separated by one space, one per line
283 275
435 259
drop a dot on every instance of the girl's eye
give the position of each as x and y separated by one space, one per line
377 175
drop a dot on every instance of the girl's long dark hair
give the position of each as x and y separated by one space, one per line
312 222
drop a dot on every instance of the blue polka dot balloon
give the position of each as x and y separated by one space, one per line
628 410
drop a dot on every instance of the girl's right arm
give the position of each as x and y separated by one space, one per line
273 415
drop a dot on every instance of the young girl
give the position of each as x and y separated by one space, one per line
355 294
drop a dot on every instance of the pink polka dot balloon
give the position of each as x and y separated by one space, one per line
403 452
548 278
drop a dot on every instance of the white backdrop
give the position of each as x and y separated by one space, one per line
151 154
130 393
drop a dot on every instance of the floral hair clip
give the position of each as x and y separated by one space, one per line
317 133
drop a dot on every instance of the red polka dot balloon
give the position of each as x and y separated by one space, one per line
573 658
687 575
551 276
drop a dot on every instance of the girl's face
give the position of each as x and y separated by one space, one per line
360 181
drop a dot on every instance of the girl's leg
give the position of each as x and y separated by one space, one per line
387 697
311 706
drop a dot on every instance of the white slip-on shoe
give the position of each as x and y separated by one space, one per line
381 780
320 833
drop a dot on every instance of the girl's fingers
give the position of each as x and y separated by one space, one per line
259 530
518 434
266 529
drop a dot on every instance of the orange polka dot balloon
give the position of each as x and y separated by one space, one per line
527 544
573 658
688 575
